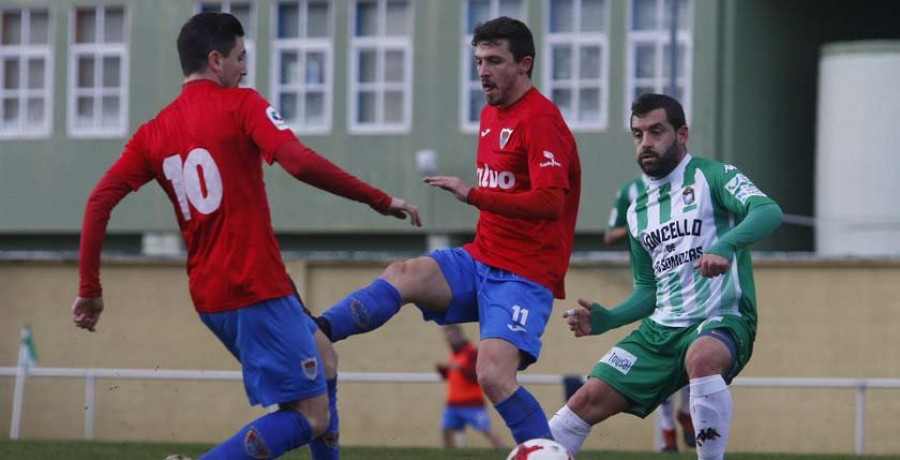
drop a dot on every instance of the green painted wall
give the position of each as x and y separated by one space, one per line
44 183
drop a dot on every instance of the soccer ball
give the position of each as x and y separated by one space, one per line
539 449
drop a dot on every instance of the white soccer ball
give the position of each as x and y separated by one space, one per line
539 449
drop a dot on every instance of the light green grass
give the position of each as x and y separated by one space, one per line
80 450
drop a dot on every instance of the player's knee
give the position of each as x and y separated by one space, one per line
396 272
700 367
495 385
707 356
318 421
315 411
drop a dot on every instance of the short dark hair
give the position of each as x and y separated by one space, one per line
515 32
648 102
203 33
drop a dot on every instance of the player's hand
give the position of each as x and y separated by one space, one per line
454 185
712 265
579 319
401 209
86 312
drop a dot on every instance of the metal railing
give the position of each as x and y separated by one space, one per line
91 375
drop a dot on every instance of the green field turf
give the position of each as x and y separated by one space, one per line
78 450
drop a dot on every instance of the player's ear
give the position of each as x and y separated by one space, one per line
214 60
683 134
525 64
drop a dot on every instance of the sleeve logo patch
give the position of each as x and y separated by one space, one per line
742 189
276 118
551 160
619 360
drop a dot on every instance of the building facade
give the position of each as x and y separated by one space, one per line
369 83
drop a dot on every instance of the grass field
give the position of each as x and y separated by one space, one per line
77 450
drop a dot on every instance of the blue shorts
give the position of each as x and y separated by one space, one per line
273 340
507 306
456 418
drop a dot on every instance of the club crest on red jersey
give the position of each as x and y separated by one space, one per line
505 133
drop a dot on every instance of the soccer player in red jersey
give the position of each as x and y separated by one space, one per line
205 150
465 400
529 183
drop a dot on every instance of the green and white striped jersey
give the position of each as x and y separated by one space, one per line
618 216
673 222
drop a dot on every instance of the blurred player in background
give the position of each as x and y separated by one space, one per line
689 233
529 183
617 230
617 226
206 151
465 401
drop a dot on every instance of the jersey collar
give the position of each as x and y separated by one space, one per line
199 83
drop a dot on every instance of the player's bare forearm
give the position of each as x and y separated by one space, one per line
614 235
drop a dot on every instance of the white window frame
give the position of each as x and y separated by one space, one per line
380 43
660 38
24 52
302 45
577 39
249 80
468 61
98 51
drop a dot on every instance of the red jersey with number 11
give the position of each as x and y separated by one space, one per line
206 149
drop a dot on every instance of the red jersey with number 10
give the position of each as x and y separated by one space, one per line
206 149
523 147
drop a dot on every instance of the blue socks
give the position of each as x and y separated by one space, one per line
266 437
524 416
363 310
325 447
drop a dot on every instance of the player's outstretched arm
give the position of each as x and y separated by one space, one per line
760 222
593 318
538 204
308 166
106 195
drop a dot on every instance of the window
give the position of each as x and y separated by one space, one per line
649 52
244 11
577 55
26 71
302 64
380 66
471 95
98 78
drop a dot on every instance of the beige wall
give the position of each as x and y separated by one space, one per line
817 319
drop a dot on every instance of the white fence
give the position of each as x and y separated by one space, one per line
90 377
